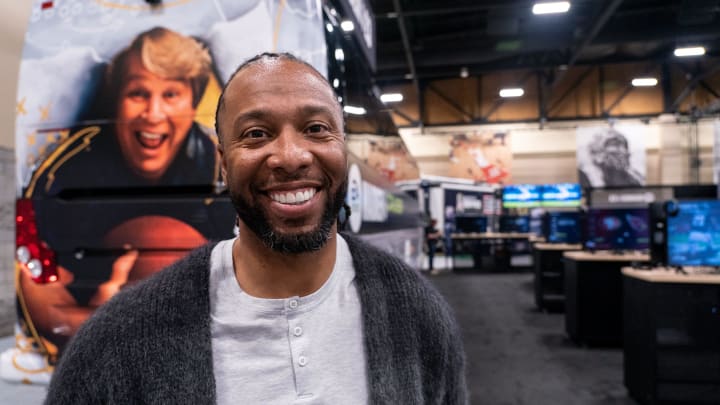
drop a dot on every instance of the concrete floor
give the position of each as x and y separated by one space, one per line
16 394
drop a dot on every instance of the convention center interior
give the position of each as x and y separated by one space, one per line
550 167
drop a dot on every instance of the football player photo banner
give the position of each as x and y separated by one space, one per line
482 157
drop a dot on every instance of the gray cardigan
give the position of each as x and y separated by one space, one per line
151 343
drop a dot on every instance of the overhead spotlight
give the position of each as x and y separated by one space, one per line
336 83
339 54
644 82
391 97
689 51
409 76
554 7
464 72
354 110
511 92
329 27
347 25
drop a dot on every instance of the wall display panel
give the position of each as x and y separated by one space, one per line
561 195
521 196
610 156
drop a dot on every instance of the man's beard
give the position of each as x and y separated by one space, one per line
255 218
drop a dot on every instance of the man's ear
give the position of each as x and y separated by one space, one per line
223 170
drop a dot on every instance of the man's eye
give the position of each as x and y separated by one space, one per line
137 94
317 129
255 134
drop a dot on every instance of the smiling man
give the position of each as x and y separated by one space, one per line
290 311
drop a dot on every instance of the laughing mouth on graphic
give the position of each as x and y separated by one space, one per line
150 140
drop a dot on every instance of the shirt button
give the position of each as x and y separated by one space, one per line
293 304
302 361
297 331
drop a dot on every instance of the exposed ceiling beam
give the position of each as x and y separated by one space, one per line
408 52
692 84
453 10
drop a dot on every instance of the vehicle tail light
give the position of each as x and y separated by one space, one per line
30 251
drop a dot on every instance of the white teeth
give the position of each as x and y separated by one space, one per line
150 135
296 197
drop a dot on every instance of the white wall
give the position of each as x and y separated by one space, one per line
15 15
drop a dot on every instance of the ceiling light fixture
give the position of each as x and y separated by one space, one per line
644 82
464 73
511 92
689 51
329 27
354 110
551 8
339 54
347 25
391 97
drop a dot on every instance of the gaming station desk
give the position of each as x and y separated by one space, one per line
488 249
549 270
593 295
671 339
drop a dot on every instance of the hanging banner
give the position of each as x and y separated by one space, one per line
611 156
386 154
484 157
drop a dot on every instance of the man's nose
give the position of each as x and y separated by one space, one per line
155 109
290 151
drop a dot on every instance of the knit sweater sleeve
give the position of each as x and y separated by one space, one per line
149 344
413 343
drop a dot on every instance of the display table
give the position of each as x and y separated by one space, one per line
593 295
492 250
671 336
549 270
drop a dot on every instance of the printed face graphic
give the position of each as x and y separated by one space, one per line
153 119
283 154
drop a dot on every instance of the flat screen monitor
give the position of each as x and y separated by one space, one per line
509 223
694 234
521 195
561 195
470 224
562 227
617 229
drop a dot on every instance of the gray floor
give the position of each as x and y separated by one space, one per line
16 394
516 355
520 356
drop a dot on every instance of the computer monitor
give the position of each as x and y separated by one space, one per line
512 223
562 227
693 234
617 229
521 195
471 223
